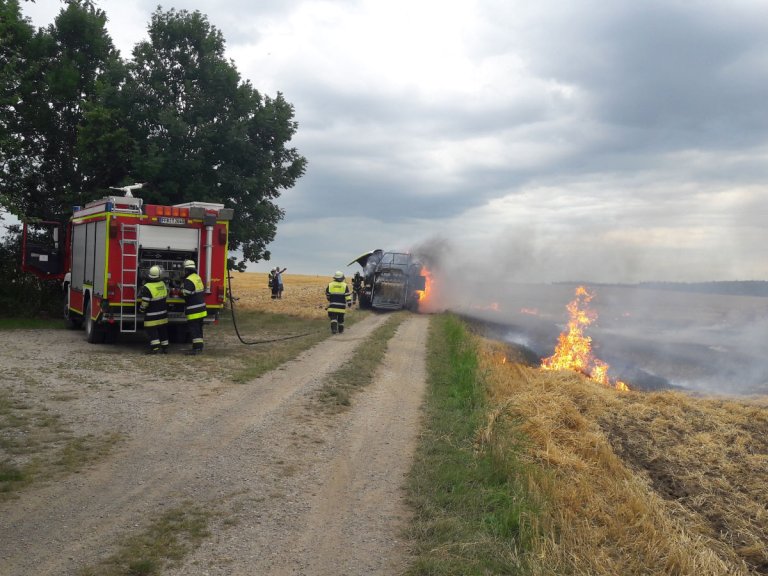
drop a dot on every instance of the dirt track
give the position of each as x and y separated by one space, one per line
293 489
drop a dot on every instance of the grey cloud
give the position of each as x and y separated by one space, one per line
670 69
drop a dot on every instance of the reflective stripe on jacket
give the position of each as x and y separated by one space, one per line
194 297
153 303
338 294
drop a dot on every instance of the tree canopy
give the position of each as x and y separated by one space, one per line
77 119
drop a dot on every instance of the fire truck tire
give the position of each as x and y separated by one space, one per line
93 333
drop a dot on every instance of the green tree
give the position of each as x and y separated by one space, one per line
201 133
76 119
48 88
15 35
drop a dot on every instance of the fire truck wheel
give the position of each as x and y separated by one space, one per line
93 333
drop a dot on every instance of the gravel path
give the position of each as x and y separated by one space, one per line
293 488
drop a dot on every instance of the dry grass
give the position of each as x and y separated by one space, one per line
304 296
636 483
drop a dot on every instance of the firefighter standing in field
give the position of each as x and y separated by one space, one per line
194 302
339 298
154 306
277 282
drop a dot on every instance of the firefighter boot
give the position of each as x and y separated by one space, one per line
341 328
334 326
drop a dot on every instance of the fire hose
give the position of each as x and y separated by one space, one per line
234 321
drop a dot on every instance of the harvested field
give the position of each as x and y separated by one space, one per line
635 483
304 296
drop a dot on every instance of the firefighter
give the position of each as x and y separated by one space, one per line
194 302
154 306
357 286
277 282
339 299
279 277
271 282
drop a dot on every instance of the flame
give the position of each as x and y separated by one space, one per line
574 347
530 311
425 294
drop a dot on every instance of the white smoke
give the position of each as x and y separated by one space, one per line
705 342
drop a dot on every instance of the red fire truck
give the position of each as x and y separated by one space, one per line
103 254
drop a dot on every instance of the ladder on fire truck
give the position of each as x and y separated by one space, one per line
129 248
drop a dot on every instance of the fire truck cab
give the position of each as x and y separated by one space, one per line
103 254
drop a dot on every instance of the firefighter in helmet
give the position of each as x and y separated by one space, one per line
154 306
339 299
194 302
357 287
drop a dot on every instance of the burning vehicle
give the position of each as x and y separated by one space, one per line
390 280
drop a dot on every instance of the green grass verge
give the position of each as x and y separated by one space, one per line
164 542
31 323
358 371
257 359
471 508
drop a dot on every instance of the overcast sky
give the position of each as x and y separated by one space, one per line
591 140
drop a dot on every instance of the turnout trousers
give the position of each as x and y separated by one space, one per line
196 333
337 321
158 338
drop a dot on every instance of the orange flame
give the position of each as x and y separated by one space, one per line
574 348
425 294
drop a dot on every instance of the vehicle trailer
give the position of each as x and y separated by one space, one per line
391 280
102 256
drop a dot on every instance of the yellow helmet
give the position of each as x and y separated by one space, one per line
189 264
154 272
339 276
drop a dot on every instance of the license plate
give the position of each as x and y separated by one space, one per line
170 220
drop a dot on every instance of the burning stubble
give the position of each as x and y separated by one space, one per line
655 335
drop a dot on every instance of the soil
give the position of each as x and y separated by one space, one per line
292 488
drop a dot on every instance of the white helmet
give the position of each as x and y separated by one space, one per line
339 276
189 264
154 272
